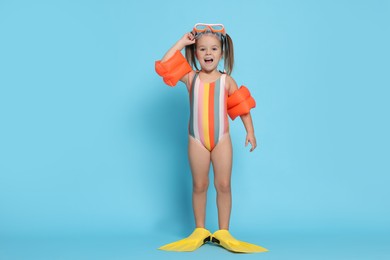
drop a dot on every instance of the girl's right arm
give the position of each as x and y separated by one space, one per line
187 39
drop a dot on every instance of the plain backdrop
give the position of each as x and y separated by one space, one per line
92 141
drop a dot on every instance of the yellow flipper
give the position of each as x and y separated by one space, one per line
225 239
190 243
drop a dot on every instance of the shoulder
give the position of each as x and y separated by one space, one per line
187 78
231 84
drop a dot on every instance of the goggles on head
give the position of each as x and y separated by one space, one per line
201 28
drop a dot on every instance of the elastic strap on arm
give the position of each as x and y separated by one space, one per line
240 102
173 69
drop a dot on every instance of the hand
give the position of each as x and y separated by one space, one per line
250 138
187 39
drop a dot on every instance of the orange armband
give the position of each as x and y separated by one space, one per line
240 102
173 69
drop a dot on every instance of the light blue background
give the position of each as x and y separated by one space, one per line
93 145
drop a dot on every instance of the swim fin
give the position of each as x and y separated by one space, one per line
225 239
190 243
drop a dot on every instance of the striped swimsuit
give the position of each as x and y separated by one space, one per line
208 111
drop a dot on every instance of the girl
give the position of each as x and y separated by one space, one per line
213 95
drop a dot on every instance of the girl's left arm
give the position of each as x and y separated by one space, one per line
246 119
250 131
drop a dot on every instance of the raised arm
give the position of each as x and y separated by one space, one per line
173 66
187 39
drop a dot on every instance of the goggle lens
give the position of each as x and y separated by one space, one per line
217 27
200 27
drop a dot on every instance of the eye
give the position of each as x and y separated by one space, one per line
215 49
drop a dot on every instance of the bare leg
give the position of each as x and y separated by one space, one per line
221 157
199 158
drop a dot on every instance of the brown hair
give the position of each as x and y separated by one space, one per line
227 49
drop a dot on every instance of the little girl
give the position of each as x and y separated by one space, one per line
213 96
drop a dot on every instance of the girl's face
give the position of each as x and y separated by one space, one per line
208 52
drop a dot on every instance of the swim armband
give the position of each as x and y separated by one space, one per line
240 102
173 69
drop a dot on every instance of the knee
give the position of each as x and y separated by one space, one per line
223 187
200 187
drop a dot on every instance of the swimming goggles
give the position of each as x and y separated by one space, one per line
204 27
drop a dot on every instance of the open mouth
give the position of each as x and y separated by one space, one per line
208 60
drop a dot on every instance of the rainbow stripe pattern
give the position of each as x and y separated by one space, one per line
208 111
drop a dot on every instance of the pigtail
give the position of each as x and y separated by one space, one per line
228 54
190 55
